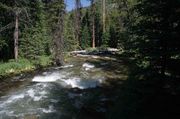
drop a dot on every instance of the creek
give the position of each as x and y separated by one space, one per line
74 91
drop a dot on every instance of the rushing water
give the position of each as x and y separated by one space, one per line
58 92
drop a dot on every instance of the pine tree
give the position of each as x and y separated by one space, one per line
70 42
78 21
93 22
34 42
56 15
157 29
104 15
86 37
16 10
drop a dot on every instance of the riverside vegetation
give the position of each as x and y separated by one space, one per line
142 75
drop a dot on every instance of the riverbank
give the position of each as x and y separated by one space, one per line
80 89
12 68
90 86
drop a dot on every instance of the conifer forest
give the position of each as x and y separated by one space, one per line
89 59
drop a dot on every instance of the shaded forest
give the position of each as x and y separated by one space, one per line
146 32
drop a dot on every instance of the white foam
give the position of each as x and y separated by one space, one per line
9 113
49 110
36 95
113 49
45 73
54 101
31 93
43 92
15 98
42 85
83 84
80 55
47 78
67 66
95 57
88 66
79 51
42 95
37 98
11 99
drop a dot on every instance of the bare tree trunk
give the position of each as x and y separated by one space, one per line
93 35
93 24
104 15
78 21
16 37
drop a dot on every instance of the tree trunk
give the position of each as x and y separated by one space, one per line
93 23
104 15
93 35
59 37
78 21
16 38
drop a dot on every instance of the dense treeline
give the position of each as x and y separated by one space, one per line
31 28
147 30
155 40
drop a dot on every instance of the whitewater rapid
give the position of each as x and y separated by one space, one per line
47 90
68 80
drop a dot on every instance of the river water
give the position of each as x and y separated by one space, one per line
73 91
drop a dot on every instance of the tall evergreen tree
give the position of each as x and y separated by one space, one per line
78 21
15 9
93 22
57 12
70 42
157 32
34 40
104 15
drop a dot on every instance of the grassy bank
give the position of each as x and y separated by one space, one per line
11 67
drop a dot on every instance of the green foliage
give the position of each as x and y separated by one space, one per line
86 37
8 9
15 67
23 65
54 7
56 24
42 61
35 41
97 49
70 42
92 50
147 30
156 38
105 39
2 43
